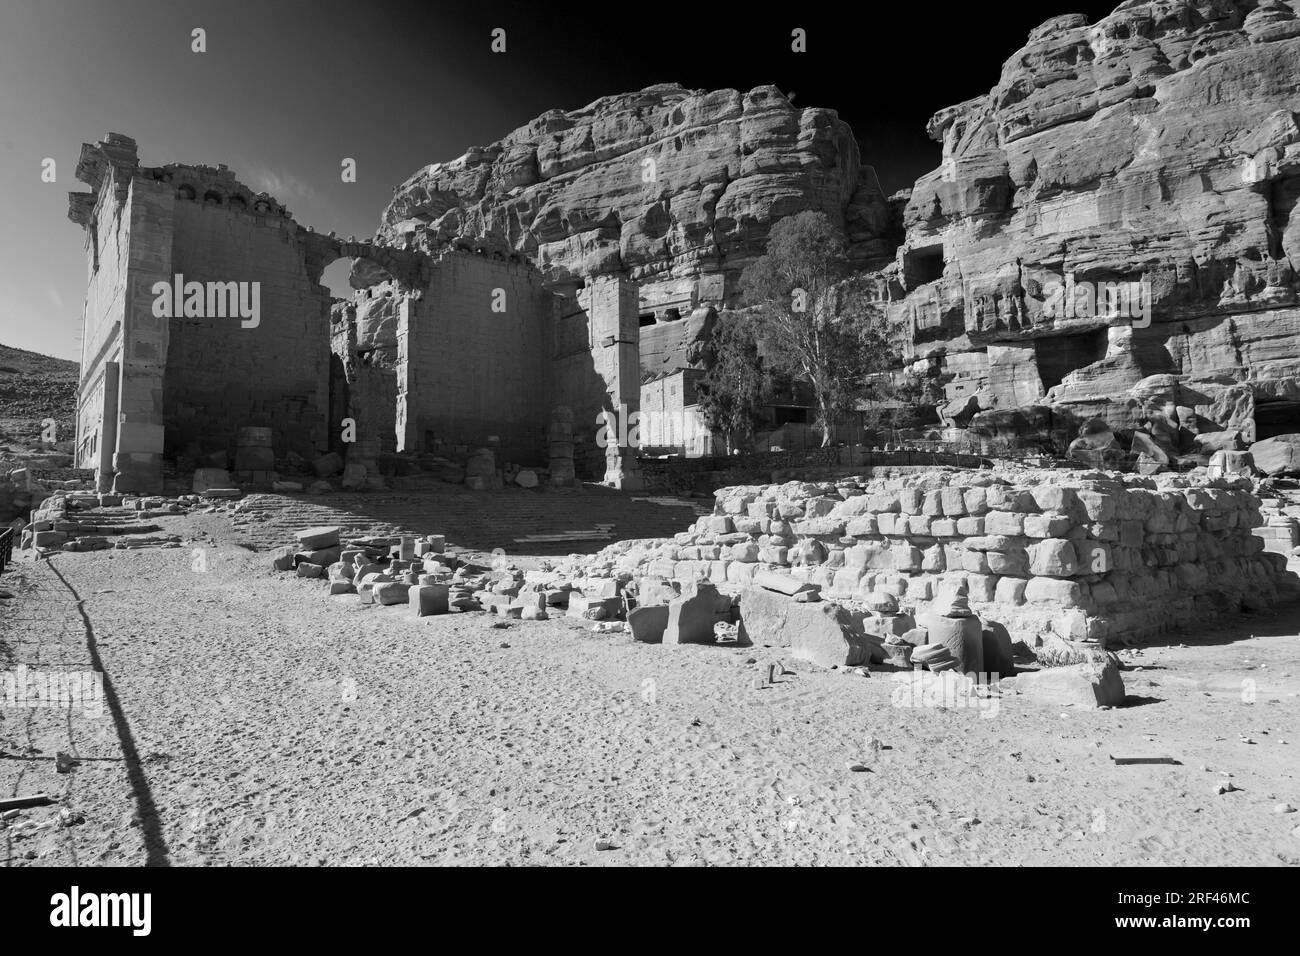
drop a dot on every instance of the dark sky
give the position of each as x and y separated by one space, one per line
288 88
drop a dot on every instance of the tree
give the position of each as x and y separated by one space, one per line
731 389
804 330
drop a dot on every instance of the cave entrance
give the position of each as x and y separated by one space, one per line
1275 418
1282 198
1059 355
922 265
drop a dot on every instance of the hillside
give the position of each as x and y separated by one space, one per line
34 387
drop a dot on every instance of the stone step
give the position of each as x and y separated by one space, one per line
511 520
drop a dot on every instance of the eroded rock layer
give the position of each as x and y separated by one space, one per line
1157 149
666 185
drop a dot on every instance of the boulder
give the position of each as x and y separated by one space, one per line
1277 456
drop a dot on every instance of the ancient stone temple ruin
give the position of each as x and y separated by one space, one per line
1103 267
208 331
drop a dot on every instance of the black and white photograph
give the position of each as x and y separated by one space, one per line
630 435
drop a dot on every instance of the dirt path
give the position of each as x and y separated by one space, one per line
272 724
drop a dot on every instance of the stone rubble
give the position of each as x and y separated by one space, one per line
969 572
80 520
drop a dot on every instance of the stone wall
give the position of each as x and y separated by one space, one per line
128 226
1088 557
107 238
594 365
222 376
466 372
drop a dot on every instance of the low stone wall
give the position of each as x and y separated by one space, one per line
709 474
1086 556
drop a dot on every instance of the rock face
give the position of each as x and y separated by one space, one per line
668 184
1156 151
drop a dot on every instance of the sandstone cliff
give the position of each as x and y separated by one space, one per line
666 184
1158 146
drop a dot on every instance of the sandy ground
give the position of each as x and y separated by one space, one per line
254 719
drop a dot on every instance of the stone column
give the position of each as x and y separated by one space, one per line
560 447
616 341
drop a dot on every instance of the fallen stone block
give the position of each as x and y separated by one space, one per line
392 592
648 623
691 617
307 570
427 599
826 633
313 539
49 539
593 608
324 557
999 659
898 655
1089 685
781 583
935 657
533 599
218 493
496 603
